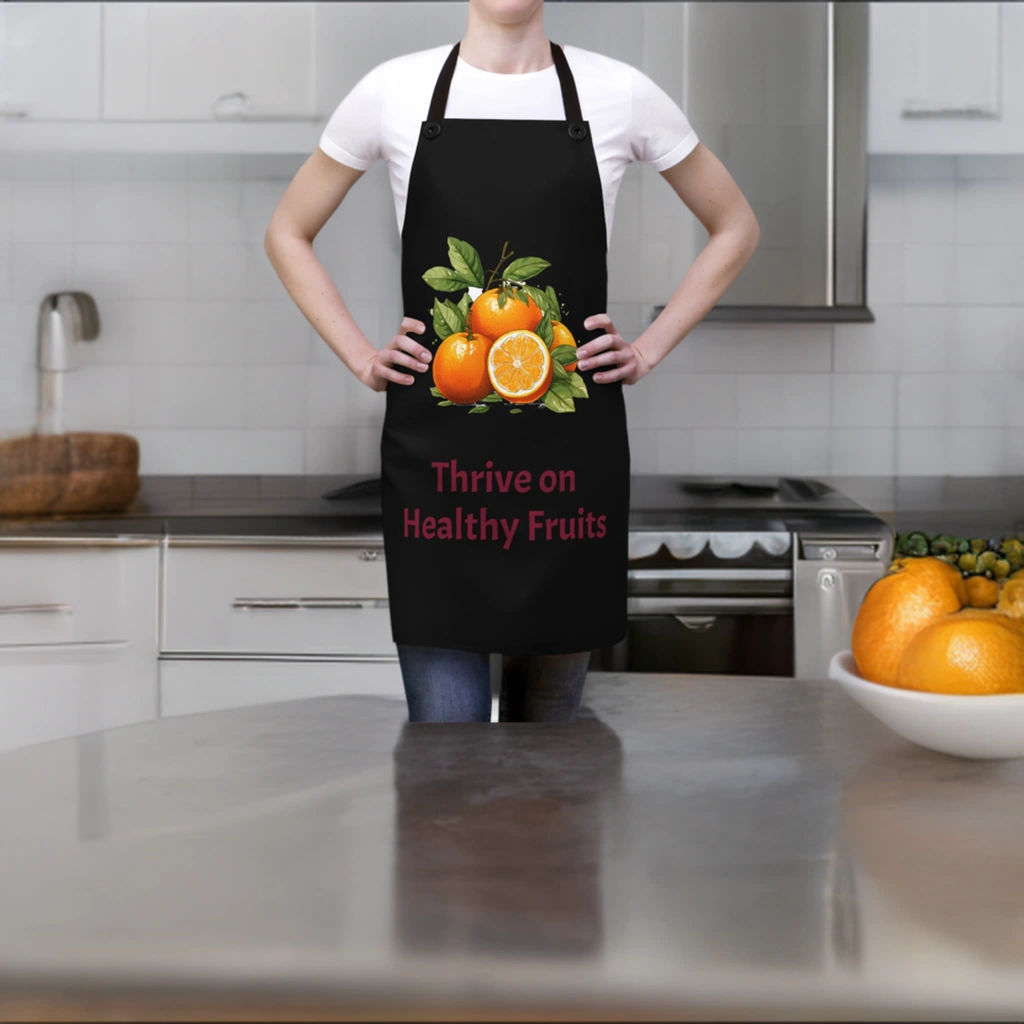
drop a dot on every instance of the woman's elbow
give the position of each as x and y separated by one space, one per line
752 233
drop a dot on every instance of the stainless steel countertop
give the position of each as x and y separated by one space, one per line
695 846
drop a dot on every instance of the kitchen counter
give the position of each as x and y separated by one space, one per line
294 506
695 846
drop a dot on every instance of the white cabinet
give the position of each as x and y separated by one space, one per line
50 61
252 623
209 61
352 38
946 78
78 638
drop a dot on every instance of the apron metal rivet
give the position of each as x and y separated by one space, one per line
432 129
577 130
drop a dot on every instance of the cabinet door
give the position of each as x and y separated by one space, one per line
78 649
284 600
353 38
946 78
191 686
209 61
50 61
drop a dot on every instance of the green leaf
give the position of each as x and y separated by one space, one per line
525 267
466 261
454 318
558 402
446 318
436 393
479 408
502 298
541 298
446 402
543 329
564 354
463 307
444 279
554 306
521 296
560 372
512 412
492 398
578 386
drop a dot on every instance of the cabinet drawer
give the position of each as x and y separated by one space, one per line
67 595
191 686
287 600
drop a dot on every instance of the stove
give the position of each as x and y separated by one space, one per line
744 576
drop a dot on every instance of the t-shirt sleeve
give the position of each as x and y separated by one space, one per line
353 133
660 133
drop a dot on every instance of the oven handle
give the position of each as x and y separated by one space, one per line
638 606
732 575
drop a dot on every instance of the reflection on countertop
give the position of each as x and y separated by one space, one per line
694 846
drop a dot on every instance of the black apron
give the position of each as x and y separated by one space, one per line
505 477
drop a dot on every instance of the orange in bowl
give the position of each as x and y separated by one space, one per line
916 593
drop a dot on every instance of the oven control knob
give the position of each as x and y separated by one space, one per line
829 554
828 580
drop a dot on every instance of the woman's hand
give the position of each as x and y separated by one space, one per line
401 350
625 361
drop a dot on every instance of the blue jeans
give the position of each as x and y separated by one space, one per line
446 685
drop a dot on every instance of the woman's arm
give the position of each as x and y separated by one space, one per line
313 195
707 188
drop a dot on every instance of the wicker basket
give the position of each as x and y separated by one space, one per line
67 474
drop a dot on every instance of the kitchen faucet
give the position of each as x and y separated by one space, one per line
64 318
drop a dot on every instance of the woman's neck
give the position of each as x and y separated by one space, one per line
506 48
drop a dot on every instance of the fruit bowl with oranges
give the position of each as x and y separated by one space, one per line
938 656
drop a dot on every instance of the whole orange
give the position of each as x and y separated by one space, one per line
562 336
493 320
460 368
1011 598
911 596
970 652
981 592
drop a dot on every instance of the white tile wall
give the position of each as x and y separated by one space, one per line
204 357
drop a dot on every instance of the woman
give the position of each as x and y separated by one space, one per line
504 456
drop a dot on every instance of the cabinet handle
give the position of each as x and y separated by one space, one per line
252 603
13 112
32 609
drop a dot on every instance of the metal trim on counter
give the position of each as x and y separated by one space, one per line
92 541
372 543
237 656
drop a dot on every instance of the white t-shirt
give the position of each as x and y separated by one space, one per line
631 117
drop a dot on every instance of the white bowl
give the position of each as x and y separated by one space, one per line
980 727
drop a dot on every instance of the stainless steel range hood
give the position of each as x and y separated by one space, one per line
778 91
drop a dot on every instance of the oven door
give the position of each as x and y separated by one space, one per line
706 633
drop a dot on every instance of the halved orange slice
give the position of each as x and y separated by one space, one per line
519 366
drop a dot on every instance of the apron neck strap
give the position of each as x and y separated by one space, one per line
570 98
